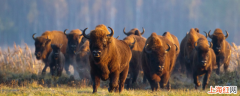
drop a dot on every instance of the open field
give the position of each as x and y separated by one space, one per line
20 74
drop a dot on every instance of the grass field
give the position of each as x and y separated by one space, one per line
20 74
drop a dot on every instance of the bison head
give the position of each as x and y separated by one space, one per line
217 40
56 50
74 40
156 51
41 45
99 42
202 49
134 31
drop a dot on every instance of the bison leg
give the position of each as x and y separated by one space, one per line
144 79
114 77
154 85
206 79
96 82
164 80
195 80
44 69
134 76
122 79
66 66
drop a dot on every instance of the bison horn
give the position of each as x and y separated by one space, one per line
145 49
112 32
186 33
169 47
65 31
117 37
195 44
134 41
206 34
176 47
124 31
211 45
86 36
226 35
143 31
33 36
210 36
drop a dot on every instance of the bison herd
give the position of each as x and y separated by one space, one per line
120 61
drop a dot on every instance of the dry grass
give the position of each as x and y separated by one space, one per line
20 71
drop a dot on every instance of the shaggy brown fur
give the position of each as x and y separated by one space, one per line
56 60
158 60
203 61
221 48
109 59
173 39
43 45
134 31
186 47
135 63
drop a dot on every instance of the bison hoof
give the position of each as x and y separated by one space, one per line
196 87
43 73
169 87
110 90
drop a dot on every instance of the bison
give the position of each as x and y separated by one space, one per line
43 45
109 58
56 60
221 48
135 63
158 60
173 39
134 31
75 41
203 61
186 47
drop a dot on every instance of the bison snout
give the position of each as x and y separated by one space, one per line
160 68
96 53
204 63
218 49
38 55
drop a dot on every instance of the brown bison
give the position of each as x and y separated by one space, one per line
43 45
109 58
134 31
135 63
186 47
158 60
56 60
75 40
203 61
221 48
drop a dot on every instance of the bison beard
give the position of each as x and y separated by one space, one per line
203 61
43 46
109 59
158 60
221 48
